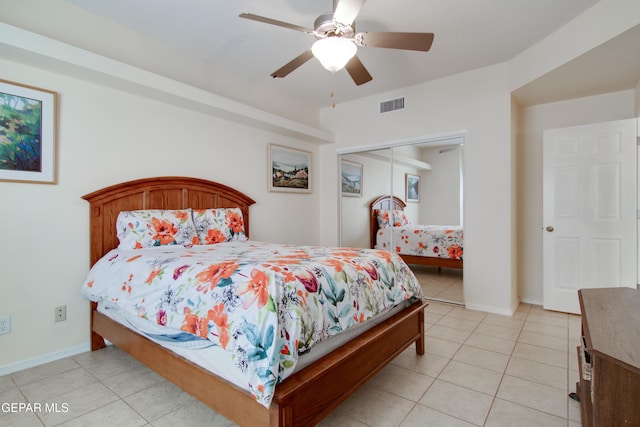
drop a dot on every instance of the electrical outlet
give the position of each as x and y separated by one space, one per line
60 313
5 324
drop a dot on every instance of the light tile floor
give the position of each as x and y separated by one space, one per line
443 284
479 369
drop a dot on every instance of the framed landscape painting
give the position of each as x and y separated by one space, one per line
27 133
351 178
412 188
290 169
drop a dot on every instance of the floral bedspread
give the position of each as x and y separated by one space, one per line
264 303
422 240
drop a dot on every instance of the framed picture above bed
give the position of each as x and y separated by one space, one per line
412 188
290 169
350 178
27 133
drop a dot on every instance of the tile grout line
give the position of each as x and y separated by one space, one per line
504 371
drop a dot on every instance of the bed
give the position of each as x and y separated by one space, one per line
304 397
412 249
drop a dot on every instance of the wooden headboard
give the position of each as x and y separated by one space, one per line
386 203
167 192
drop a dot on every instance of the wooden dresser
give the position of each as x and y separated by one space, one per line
610 395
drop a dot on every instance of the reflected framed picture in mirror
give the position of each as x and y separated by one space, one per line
412 188
351 178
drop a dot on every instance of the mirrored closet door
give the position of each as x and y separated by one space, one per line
424 181
363 174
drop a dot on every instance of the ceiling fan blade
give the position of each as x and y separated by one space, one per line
357 71
408 41
347 10
293 64
259 18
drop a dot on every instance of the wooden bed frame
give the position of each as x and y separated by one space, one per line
304 398
395 203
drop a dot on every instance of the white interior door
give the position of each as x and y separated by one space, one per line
589 211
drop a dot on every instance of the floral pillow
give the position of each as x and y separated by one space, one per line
383 217
389 218
219 225
148 228
400 219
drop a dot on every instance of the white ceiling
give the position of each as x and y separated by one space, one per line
610 67
468 35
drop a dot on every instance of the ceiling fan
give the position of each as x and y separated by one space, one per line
337 41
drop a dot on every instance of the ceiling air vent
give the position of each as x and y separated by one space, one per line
392 105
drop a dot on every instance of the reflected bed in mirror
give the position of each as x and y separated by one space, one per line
434 252
438 200
427 245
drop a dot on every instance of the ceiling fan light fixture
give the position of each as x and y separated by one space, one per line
334 52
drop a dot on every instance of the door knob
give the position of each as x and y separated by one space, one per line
549 229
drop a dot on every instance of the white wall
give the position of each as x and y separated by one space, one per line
412 210
378 178
597 25
533 121
637 100
63 21
354 211
441 186
105 137
401 168
478 101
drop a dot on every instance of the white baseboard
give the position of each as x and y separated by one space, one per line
45 358
532 301
490 309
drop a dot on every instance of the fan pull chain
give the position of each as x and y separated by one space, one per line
333 100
